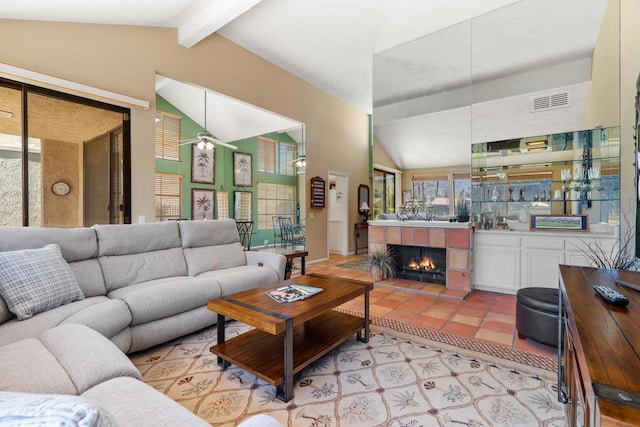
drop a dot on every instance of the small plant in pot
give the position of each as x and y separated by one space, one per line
462 210
380 265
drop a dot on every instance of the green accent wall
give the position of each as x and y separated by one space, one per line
223 169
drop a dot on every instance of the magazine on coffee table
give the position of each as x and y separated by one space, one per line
293 292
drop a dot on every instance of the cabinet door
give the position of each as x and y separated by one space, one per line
497 268
540 267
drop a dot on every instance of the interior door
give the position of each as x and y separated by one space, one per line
97 192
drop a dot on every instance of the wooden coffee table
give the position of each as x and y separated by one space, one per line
288 336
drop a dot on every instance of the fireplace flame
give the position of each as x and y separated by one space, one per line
426 264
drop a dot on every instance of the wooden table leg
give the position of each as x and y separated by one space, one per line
285 390
366 319
302 265
221 362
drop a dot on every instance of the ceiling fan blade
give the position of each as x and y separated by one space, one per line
188 141
224 144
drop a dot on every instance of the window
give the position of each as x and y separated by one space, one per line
167 136
384 192
433 189
275 200
266 155
461 187
288 153
168 197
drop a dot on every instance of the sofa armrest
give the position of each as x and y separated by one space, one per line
268 259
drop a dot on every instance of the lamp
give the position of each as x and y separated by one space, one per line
364 211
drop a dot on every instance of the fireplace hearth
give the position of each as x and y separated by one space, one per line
424 264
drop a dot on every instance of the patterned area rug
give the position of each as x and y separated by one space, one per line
395 380
357 264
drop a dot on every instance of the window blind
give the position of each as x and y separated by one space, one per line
167 136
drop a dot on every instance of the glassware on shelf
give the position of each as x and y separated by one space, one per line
594 172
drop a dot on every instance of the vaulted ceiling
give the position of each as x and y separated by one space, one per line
331 43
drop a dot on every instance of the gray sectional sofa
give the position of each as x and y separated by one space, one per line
139 286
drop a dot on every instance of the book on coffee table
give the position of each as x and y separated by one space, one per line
293 292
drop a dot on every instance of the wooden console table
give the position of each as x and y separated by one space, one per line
599 356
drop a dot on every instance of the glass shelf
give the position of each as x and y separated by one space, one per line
567 173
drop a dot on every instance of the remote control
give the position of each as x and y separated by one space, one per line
611 296
628 284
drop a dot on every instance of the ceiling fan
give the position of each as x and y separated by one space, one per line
301 159
204 139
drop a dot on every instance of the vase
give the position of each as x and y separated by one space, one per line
376 274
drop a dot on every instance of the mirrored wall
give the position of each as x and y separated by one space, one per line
531 68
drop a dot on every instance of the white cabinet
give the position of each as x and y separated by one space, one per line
496 263
505 261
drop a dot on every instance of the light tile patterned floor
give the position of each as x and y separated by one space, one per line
483 316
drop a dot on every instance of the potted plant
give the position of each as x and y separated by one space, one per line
462 210
380 264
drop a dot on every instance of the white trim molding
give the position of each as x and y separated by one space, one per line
67 86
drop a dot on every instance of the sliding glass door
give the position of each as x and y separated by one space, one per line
64 160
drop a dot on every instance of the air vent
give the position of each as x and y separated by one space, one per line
550 101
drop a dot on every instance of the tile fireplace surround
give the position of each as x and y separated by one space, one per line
456 237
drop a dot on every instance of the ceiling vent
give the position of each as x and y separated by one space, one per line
550 101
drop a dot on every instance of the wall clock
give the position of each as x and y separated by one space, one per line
60 188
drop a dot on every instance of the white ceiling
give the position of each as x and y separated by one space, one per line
330 43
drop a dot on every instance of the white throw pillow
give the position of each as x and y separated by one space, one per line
36 280
30 409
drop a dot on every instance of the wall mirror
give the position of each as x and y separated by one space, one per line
456 86
422 97
363 199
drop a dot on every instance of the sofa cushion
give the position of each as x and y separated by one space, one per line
157 299
195 234
238 279
30 409
27 365
87 357
36 280
126 239
133 403
76 244
125 270
207 258
89 276
15 330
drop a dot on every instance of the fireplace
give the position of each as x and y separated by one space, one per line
420 263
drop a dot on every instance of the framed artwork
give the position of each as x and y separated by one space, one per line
202 165
559 222
202 203
242 168
242 205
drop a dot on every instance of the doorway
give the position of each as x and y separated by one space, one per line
338 202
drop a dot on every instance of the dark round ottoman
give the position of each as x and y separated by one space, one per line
537 315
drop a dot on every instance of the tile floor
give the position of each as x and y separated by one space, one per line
482 315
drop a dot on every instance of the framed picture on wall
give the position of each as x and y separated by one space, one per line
202 165
202 203
242 168
242 205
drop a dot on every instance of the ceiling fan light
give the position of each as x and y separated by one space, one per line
201 145
209 145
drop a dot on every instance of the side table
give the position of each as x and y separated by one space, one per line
361 235
289 254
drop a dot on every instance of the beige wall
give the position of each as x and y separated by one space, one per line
124 59
60 163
